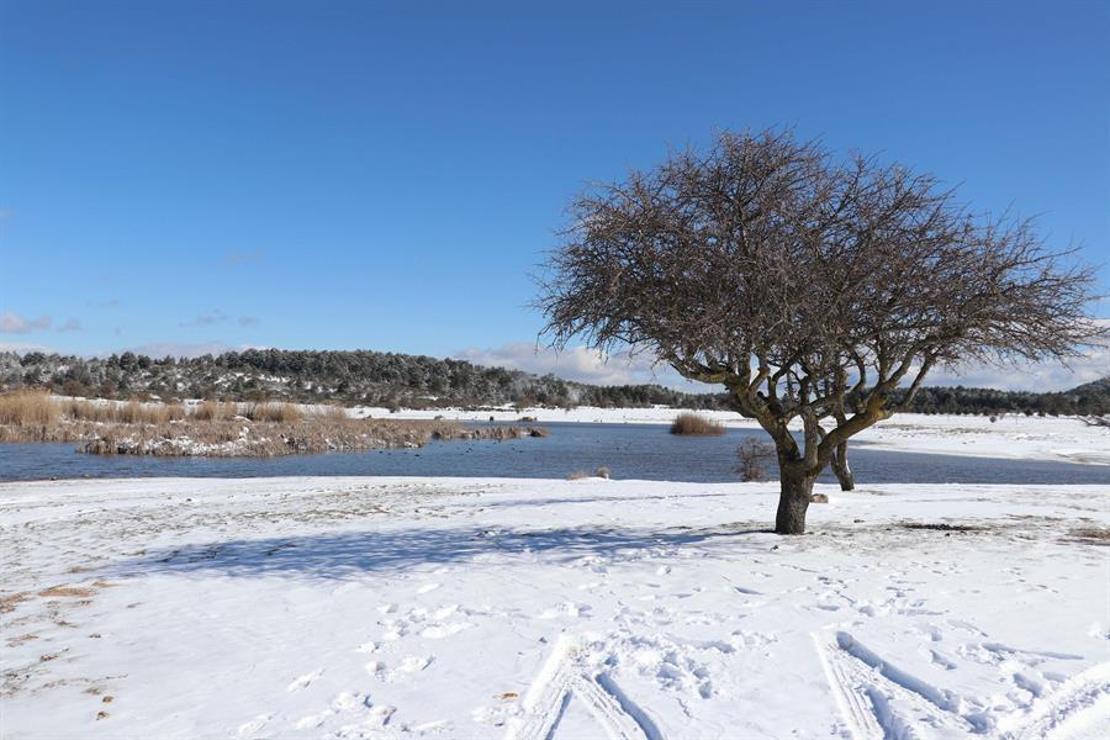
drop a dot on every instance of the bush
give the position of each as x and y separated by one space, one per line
754 456
279 412
693 424
602 472
215 411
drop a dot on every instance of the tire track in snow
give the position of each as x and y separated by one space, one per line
867 689
1082 701
566 677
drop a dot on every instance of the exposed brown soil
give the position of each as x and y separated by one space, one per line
1097 534
9 601
941 526
78 591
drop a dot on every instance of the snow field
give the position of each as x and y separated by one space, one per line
464 608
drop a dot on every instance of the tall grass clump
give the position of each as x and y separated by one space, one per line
111 412
215 411
277 412
28 408
695 425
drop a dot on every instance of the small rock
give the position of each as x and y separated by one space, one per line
819 498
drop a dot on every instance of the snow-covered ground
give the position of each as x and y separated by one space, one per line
465 608
1064 439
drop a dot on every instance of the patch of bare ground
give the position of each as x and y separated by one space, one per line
942 527
1094 535
220 429
8 602
75 591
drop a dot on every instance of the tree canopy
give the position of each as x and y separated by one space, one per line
812 288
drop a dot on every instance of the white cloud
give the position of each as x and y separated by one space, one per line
1028 376
581 364
590 366
13 323
71 325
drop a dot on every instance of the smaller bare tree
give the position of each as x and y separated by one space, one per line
754 457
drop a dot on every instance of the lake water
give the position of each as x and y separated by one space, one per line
636 451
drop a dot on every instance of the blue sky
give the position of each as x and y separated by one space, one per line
176 176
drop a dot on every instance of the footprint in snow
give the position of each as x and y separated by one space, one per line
408 666
441 631
303 682
347 706
415 663
256 725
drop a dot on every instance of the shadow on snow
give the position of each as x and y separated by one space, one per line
340 555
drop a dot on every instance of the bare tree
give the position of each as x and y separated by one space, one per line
753 456
818 292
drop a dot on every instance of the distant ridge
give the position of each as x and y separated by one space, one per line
415 381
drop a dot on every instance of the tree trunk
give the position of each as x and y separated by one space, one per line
796 490
842 469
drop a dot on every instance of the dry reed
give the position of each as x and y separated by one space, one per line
215 411
693 424
217 428
28 408
278 412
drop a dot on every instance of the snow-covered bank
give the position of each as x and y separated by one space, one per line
459 608
1065 439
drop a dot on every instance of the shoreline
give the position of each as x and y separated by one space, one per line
1059 439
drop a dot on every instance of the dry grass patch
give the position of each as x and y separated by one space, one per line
28 408
285 413
82 592
218 428
1095 534
696 425
8 602
310 434
602 472
215 411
